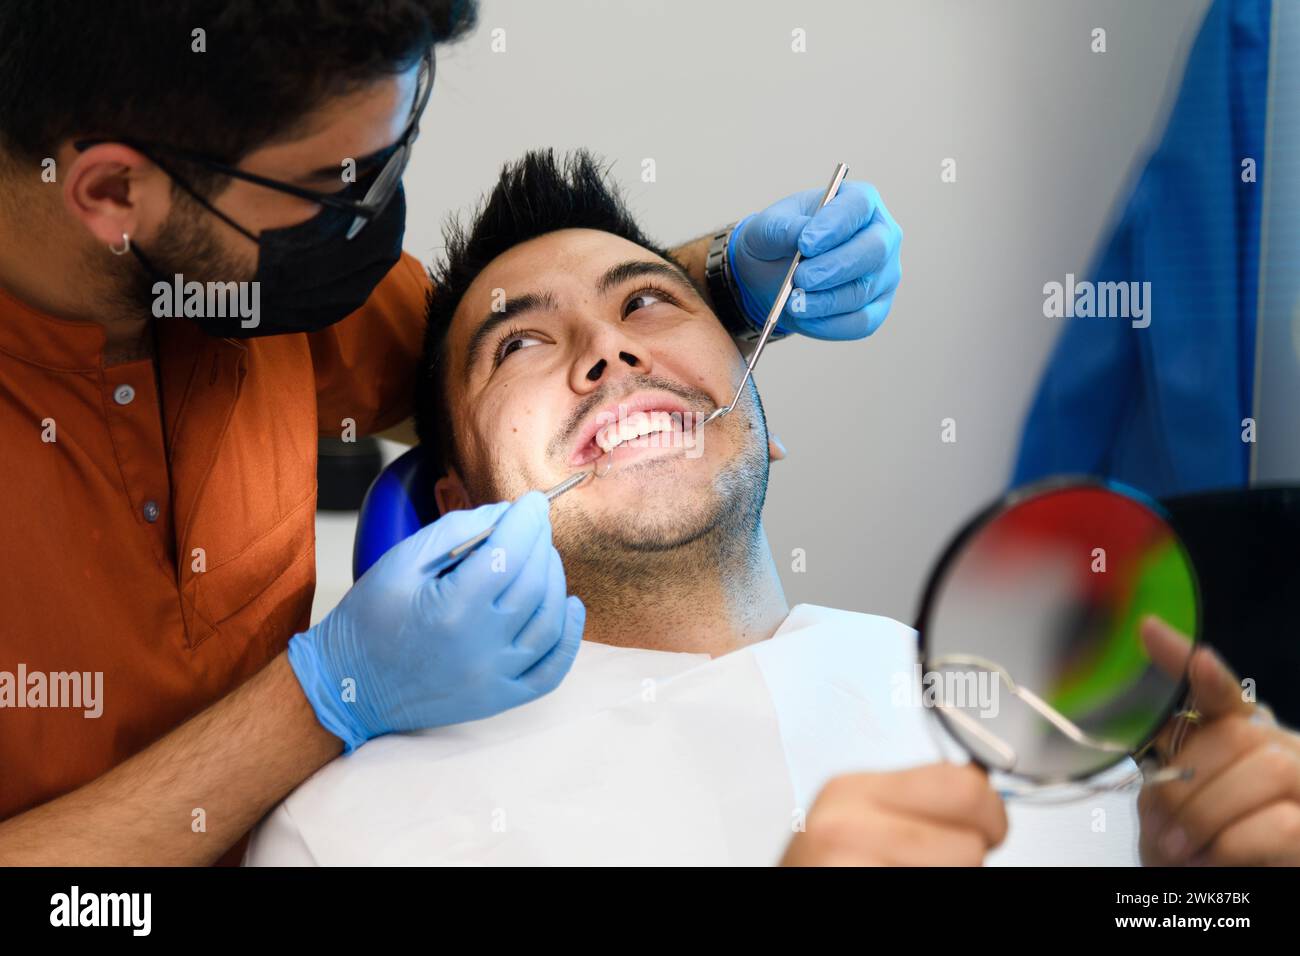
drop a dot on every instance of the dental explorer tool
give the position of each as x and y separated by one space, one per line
459 553
787 286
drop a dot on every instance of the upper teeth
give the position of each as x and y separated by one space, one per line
633 425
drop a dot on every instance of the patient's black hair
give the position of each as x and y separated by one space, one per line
534 195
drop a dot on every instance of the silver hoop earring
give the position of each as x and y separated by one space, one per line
126 246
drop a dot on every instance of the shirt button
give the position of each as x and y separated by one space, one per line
123 394
151 511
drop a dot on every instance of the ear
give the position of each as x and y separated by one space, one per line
775 450
114 190
450 494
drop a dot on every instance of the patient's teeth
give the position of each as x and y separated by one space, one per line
632 426
604 440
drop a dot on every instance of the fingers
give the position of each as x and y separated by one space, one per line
521 598
498 561
919 842
938 815
848 325
853 207
844 836
848 280
1214 748
860 255
1245 769
544 676
1263 776
946 793
849 285
1268 837
797 223
848 308
874 314
849 297
1215 688
1170 650
546 624
1239 765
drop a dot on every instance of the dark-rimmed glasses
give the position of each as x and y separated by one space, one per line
377 197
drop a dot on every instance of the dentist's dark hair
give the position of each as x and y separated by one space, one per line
129 69
533 196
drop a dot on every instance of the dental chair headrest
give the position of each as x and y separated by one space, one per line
399 503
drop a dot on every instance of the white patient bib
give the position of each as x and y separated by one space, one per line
647 758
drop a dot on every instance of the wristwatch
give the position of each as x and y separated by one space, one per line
725 293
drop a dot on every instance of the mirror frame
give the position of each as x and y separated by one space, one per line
984 517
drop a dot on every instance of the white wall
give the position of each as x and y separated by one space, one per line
1046 135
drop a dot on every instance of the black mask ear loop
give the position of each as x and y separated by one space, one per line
202 201
180 181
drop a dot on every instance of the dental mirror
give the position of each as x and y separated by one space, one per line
604 465
1029 631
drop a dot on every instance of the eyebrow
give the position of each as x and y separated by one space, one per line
636 268
613 277
530 302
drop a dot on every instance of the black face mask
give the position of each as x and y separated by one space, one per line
310 275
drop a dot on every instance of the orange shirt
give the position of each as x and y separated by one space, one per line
176 583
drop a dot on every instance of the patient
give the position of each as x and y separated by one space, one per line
670 553
702 715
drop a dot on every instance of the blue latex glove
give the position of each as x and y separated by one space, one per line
850 269
416 651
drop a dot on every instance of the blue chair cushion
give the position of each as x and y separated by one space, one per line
399 503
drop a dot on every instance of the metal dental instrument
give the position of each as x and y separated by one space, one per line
1063 725
463 550
787 286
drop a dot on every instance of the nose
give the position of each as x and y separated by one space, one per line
609 355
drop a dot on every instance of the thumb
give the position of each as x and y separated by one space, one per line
1216 691
1169 648
772 234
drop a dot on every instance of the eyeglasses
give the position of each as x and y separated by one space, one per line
378 195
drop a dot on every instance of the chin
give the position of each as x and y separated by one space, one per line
654 503
663 527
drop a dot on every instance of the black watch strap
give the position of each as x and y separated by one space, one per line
725 294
